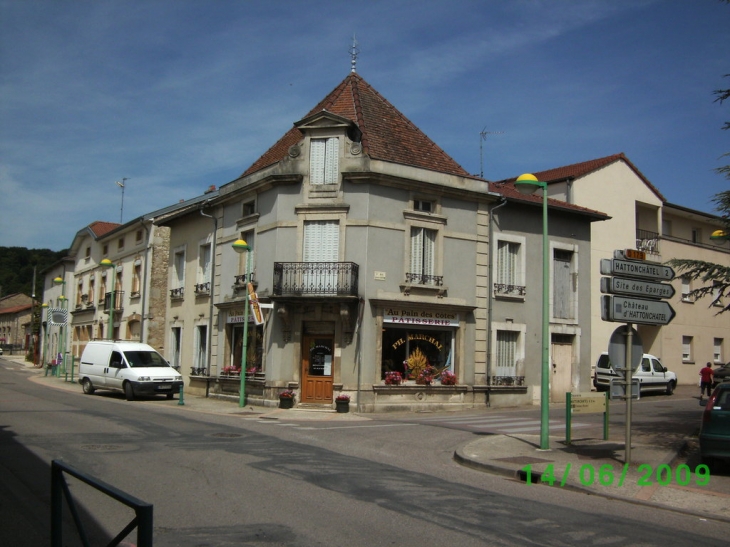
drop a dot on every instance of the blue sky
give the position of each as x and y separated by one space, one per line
178 95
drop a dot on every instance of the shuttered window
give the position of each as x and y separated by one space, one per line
321 245
563 289
506 353
204 263
324 161
179 264
423 242
507 253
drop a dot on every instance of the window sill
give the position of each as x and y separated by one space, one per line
429 290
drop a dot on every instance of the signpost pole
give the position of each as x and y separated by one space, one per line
605 420
568 416
628 374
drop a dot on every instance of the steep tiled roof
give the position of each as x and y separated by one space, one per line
386 133
583 168
100 228
507 190
15 309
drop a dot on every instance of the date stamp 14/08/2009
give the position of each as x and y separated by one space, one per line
605 475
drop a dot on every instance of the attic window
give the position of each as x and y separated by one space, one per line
424 206
324 161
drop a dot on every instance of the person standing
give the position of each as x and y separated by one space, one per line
706 376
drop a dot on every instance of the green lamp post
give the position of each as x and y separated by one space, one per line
61 281
720 235
240 246
528 184
44 359
110 329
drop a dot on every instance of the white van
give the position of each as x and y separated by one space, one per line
651 374
130 367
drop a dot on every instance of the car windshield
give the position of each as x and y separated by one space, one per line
140 359
604 361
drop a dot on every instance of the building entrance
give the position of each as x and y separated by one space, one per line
317 352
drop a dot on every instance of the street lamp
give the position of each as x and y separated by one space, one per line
528 184
720 236
61 281
110 329
44 357
240 246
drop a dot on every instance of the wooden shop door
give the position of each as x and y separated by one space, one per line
317 360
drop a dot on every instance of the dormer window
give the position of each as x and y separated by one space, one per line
324 161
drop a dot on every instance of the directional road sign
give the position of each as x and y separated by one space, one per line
633 287
636 310
636 268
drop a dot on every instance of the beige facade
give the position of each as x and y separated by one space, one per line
642 219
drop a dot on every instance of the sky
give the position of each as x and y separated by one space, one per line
179 95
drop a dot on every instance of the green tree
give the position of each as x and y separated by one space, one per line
715 277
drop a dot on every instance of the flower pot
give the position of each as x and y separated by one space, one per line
342 406
286 402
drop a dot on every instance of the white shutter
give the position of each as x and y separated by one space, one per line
332 163
416 250
429 244
507 262
506 353
317 150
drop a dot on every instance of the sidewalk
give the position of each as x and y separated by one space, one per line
662 473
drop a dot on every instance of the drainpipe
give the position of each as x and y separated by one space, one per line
490 298
212 291
147 266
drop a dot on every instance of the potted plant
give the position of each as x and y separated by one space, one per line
393 378
286 399
342 403
426 375
448 378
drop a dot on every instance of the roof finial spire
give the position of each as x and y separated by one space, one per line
354 50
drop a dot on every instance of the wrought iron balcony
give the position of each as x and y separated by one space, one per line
240 280
118 299
420 279
502 289
647 241
315 278
202 288
177 294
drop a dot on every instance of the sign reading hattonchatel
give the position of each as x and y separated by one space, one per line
434 318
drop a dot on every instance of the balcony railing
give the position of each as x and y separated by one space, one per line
202 288
647 241
502 289
240 280
177 294
315 278
118 299
420 279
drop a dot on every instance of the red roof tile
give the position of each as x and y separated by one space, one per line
100 228
584 168
386 133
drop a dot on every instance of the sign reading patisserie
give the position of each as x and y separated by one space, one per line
434 318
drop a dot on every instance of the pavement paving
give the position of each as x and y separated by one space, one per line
664 472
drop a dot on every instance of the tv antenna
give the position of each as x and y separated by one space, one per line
482 138
121 185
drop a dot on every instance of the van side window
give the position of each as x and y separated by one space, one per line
115 358
645 365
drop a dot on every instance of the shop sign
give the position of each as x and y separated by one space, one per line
237 316
421 317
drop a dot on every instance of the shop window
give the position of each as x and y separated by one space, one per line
324 161
254 348
410 351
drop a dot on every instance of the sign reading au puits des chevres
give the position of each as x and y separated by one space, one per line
434 318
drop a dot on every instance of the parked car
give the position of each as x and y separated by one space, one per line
651 374
722 373
715 427
1 350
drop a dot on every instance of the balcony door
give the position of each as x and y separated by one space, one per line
317 354
321 249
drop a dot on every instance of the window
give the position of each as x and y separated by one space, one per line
509 269
425 206
138 236
687 289
324 161
321 244
79 293
178 266
137 278
506 356
118 294
204 265
105 249
564 286
717 350
250 238
716 294
687 349
423 243
201 348
120 244
249 208
88 253
696 235
666 227
409 351
92 289
102 287
176 339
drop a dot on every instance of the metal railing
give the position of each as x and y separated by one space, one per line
647 241
202 288
177 293
59 489
420 279
501 289
240 280
508 380
315 278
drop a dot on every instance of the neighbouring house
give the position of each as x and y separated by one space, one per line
16 315
372 256
642 219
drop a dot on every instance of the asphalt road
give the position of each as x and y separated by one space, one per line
237 480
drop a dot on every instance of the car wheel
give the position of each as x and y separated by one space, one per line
129 391
670 388
88 387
